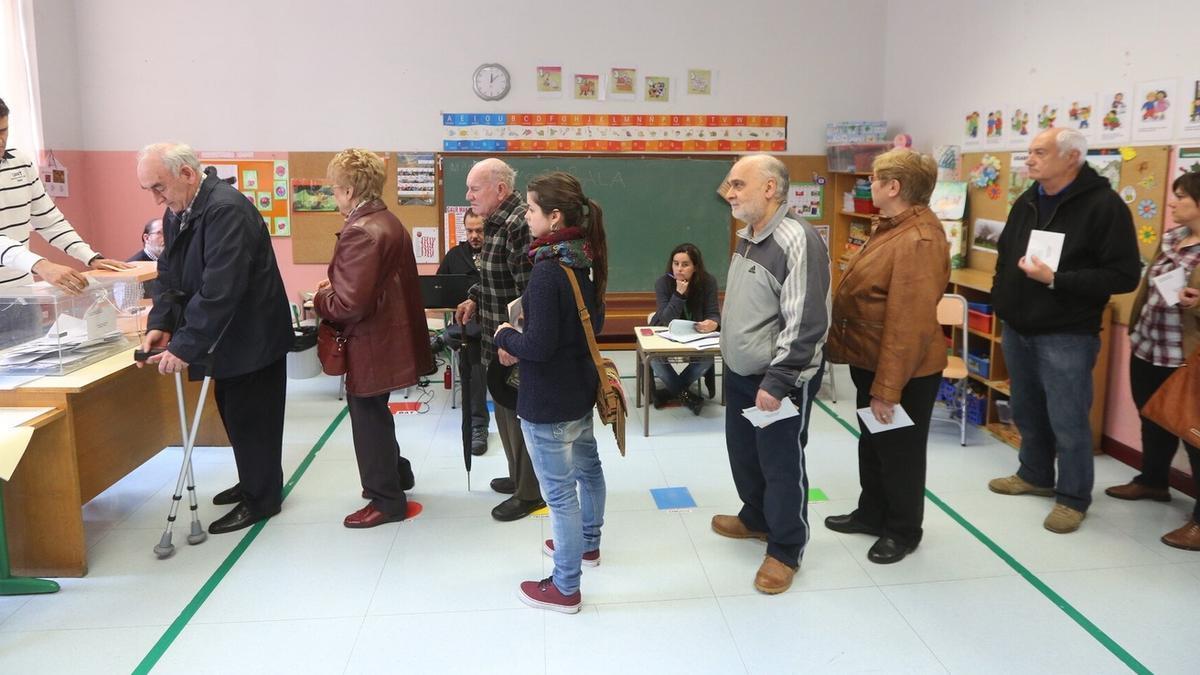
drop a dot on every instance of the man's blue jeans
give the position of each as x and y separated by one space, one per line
564 456
1051 398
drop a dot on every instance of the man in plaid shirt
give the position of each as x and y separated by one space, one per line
504 268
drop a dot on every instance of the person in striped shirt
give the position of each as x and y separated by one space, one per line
25 208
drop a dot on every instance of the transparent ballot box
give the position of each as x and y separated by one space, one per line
46 331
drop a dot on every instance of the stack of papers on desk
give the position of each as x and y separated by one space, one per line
67 342
684 332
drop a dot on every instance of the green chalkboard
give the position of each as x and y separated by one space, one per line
650 205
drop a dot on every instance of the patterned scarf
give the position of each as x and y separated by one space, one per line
567 244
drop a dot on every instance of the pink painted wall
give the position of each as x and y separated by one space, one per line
108 208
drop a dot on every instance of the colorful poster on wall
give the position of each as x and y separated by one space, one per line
949 199
1189 119
658 89
974 128
1048 112
549 81
805 199
1187 160
1018 177
1115 116
622 83
987 234
1107 163
1019 130
587 87
425 244
453 225
255 178
1081 114
958 248
553 132
700 82
415 178
1154 108
312 195
993 127
949 161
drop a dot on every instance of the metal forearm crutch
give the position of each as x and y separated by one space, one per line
165 548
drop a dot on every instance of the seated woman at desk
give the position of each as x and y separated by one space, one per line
686 291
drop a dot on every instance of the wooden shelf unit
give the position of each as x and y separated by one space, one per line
839 235
976 286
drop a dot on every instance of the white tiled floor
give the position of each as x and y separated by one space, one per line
437 594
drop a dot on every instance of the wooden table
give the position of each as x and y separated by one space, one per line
114 417
652 347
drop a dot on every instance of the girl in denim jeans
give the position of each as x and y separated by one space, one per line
558 379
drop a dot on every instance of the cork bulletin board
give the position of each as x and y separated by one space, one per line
1143 185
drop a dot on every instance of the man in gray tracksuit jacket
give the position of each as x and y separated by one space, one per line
773 329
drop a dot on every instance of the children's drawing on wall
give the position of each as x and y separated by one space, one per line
1116 119
971 137
949 161
1190 119
1081 115
1018 177
700 82
1187 160
1154 120
587 87
1107 163
658 88
1047 115
622 83
995 127
549 81
987 234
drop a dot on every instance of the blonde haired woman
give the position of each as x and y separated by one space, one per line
372 295
885 326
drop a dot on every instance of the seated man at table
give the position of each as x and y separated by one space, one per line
464 259
686 291
152 247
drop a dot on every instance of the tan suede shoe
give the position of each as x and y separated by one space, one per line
1064 519
734 528
1186 537
773 576
1015 485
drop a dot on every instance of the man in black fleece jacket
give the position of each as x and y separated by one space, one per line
1052 318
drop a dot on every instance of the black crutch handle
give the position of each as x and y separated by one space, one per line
141 356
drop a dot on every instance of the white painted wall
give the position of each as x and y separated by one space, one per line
319 75
58 73
943 56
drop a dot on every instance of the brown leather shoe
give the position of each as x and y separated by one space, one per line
1186 537
734 528
1135 491
773 576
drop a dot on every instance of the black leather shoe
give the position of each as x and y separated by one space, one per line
504 485
239 518
515 509
848 525
887 551
228 496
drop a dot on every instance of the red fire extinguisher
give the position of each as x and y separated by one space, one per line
448 378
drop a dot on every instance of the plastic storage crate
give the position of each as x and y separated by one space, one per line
979 365
977 409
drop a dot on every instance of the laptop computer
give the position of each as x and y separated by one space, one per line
445 291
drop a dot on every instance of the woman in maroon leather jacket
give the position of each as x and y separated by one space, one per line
373 295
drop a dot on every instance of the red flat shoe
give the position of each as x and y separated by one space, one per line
369 516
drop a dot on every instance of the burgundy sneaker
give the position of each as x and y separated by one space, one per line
590 558
545 595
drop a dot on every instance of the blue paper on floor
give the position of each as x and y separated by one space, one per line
673 498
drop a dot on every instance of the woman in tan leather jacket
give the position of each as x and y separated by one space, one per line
885 326
373 295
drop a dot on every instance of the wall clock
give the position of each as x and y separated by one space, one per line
491 82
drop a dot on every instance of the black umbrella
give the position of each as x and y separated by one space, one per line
465 339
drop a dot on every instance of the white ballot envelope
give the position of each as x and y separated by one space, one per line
1046 246
1169 284
762 418
900 419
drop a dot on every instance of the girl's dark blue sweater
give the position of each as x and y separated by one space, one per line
558 377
